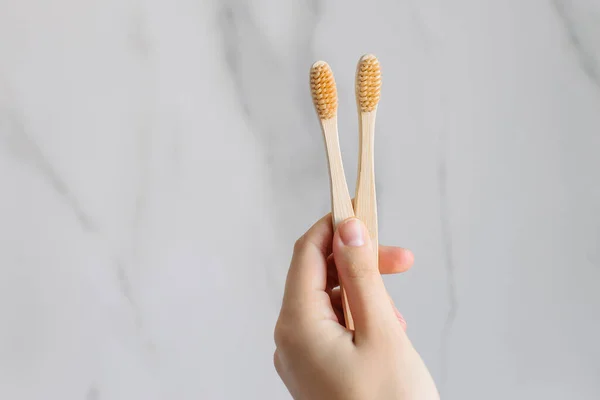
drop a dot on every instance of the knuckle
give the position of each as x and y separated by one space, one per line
300 244
284 336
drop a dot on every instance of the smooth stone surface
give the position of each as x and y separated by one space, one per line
158 160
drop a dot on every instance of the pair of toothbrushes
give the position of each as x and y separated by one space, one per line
324 93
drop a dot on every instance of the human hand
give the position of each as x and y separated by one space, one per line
316 356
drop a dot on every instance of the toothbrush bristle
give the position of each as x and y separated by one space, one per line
368 83
324 92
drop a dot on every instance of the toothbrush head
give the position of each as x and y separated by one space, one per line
323 90
368 83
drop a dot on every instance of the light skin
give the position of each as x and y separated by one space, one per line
316 356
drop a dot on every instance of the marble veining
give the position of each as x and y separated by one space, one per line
158 160
27 151
581 35
446 235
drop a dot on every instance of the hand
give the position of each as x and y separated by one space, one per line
317 357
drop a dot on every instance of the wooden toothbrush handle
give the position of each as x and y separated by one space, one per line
342 210
365 201
341 203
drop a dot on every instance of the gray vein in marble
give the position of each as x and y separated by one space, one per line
276 101
93 393
230 18
262 78
140 43
229 30
26 149
421 23
143 143
143 150
125 287
446 233
138 36
587 61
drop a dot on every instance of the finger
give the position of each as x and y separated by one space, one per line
336 303
392 260
308 269
359 274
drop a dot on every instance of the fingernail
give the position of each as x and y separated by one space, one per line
351 233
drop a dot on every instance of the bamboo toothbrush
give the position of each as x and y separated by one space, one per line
324 94
368 87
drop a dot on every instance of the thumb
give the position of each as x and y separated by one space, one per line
359 274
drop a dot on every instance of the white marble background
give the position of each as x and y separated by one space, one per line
158 159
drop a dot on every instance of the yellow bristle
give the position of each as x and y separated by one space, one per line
368 83
324 93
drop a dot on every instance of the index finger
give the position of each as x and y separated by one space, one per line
308 269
